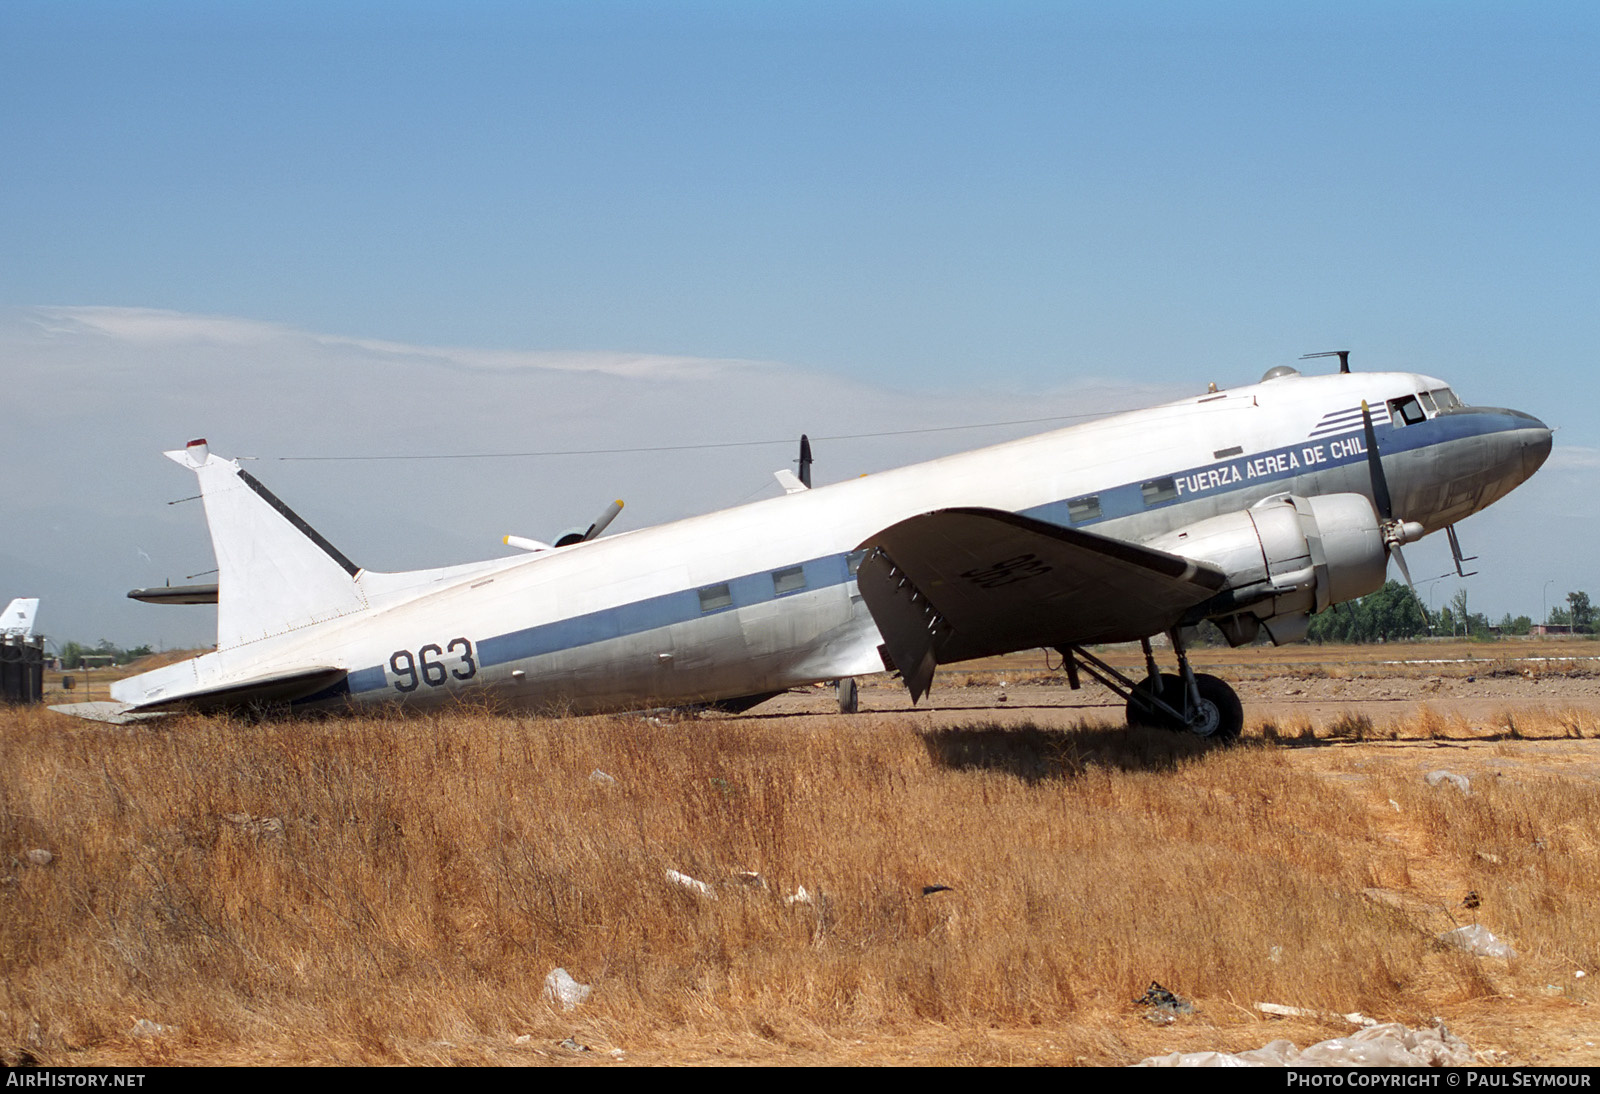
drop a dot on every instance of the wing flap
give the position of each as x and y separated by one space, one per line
956 584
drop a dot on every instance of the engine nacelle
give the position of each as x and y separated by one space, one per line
1286 559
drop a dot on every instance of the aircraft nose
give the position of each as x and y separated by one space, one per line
1536 441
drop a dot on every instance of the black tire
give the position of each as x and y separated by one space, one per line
1220 717
1141 713
849 695
1225 709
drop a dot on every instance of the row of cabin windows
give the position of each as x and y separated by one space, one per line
790 579
1154 492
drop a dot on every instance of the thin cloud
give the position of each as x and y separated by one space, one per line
1573 457
157 327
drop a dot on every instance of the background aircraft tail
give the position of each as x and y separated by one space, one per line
17 620
274 572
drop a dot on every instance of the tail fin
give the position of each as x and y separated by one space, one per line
17 620
274 572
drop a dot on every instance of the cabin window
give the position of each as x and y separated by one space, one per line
1084 508
714 597
791 579
1405 411
1228 453
1157 491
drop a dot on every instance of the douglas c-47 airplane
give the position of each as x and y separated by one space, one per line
1254 508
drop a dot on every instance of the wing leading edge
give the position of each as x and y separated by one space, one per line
955 584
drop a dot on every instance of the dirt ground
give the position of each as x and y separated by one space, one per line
1317 686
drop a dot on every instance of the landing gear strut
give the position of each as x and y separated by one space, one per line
1187 701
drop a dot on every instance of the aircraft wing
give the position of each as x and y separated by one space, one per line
956 584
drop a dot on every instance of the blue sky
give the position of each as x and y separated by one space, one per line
914 212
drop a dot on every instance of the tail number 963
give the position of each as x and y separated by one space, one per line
432 665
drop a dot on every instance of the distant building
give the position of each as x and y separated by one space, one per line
1551 629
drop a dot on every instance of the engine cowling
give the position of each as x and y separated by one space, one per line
1286 559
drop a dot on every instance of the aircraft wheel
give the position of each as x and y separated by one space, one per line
1221 715
1141 713
849 695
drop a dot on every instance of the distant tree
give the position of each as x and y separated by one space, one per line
1386 615
1446 623
72 655
1520 625
1580 611
103 652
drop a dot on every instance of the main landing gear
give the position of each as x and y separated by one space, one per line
1188 701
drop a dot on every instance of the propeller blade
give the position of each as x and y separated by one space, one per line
1395 532
1380 483
1400 560
603 520
1405 572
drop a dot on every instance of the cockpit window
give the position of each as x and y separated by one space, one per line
1445 398
1427 403
1405 411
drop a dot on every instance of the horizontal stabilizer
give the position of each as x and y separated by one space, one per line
282 687
176 594
117 714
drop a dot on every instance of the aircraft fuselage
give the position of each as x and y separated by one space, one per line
762 597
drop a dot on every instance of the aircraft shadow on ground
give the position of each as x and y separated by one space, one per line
1035 754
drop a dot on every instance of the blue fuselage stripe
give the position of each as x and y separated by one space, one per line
637 617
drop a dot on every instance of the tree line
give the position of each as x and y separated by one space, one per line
75 655
1393 613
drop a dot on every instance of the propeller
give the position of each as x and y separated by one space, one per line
606 516
1395 531
566 539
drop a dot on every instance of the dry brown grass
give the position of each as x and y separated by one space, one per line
1531 723
386 889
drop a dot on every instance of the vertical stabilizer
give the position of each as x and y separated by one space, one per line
17 621
274 572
